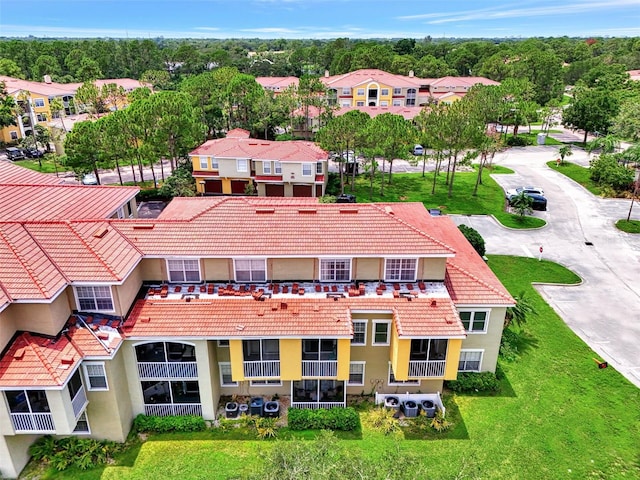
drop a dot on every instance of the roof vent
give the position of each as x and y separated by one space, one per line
434 303
240 327
143 226
348 210
19 354
261 312
389 210
307 210
145 319
283 305
265 210
101 232
67 360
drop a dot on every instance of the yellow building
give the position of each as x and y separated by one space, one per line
108 317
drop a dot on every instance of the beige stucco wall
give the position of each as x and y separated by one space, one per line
45 318
152 269
130 364
292 172
125 294
61 410
291 269
205 382
14 454
367 269
217 269
432 268
490 341
228 168
7 327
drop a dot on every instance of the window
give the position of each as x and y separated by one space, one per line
94 298
392 379
359 332
241 165
183 270
384 103
27 401
356 373
266 168
41 117
397 91
95 375
306 169
316 349
361 91
265 383
384 91
346 91
411 97
170 392
75 384
359 104
335 270
14 135
214 163
277 168
261 350
428 349
470 360
223 343
204 163
38 102
82 426
380 335
346 104
397 103
400 269
474 322
319 168
251 270
225 375
161 352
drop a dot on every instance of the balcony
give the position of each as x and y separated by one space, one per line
426 368
32 423
262 369
171 409
319 368
317 405
79 402
167 370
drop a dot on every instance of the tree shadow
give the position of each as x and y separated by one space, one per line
419 428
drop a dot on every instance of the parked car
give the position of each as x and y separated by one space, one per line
418 150
90 179
512 192
346 198
539 202
33 152
14 153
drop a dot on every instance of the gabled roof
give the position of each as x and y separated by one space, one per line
277 83
409 113
277 228
363 76
461 81
54 89
235 146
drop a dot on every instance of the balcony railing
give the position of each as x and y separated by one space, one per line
167 370
269 368
319 368
33 422
79 402
426 368
171 409
317 405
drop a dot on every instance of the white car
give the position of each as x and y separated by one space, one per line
89 179
512 192
418 150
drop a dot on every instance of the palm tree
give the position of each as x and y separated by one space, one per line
564 151
57 109
521 311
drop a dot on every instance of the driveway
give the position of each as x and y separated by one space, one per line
604 310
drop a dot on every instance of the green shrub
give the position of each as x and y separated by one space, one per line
607 171
149 194
439 423
178 423
82 453
509 345
344 419
518 141
474 238
475 382
382 420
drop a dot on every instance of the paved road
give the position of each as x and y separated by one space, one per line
605 310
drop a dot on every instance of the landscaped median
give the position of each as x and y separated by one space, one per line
413 187
556 415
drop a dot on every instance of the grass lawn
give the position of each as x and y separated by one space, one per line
533 137
558 416
631 226
413 187
578 174
47 165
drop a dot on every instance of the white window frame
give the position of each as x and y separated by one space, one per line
94 297
38 102
473 312
319 168
400 383
373 332
384 92
183 270
204 163
251 270
88 376
397 102
360 92
86 419
361 364
360 104
364 342
277 167
223 345
14 135
387 274
333 270
481 352
266 167
266 383
346 91
41 117
309 170
397 90
384 103
242 165
222 382
346 104
214 163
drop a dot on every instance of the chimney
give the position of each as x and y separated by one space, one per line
326 73
411 74
47 79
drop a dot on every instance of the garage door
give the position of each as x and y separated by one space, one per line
213 186
274 190
302 190
238 187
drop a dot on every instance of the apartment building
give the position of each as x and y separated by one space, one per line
238 164
103 318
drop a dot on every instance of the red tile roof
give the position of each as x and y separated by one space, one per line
293 317
358 77
12 174
241 147
275 227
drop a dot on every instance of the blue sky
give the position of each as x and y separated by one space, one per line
319 18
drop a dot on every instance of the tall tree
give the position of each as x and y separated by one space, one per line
83 146
396 136
592 110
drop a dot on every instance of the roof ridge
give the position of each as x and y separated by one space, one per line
413 227
36 349
44 251
477 279
93 250
21 258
